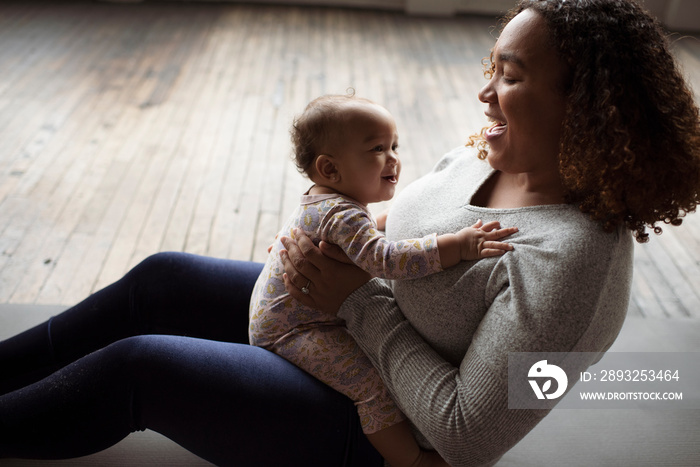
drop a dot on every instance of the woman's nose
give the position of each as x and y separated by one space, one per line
487 94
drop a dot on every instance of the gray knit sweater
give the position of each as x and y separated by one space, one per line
441 343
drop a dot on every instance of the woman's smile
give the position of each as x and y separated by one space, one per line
495 131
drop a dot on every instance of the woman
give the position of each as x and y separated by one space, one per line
586 140
595 134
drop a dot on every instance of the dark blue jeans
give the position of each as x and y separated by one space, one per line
166 348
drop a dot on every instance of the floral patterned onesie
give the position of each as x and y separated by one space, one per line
319 343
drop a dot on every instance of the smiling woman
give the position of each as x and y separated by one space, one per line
526 99
610 112
586 149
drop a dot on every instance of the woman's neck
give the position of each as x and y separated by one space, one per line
506 191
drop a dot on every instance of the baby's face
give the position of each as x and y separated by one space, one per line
365 153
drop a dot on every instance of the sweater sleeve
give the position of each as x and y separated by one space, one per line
462 410
355 231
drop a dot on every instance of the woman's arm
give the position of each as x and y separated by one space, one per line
450 406
540 299
463 410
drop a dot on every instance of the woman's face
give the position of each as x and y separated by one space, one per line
525 99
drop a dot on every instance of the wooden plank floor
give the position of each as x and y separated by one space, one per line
132 129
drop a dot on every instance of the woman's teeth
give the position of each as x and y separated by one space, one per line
497 129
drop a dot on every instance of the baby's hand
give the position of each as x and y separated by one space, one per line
480 240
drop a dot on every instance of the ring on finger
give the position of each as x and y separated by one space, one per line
305 289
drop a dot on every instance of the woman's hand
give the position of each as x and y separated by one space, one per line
321 278
381 220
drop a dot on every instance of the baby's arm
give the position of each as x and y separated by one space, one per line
475 242
354 231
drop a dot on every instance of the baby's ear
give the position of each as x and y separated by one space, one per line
327 168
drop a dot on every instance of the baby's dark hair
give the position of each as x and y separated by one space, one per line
312 131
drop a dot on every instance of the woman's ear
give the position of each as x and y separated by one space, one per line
327 168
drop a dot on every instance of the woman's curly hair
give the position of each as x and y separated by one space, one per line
630 147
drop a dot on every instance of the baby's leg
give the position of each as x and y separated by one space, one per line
330 354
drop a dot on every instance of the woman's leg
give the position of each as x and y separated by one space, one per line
232 404
168 293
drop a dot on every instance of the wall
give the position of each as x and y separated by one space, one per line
677 15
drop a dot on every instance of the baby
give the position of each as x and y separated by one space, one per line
347 146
